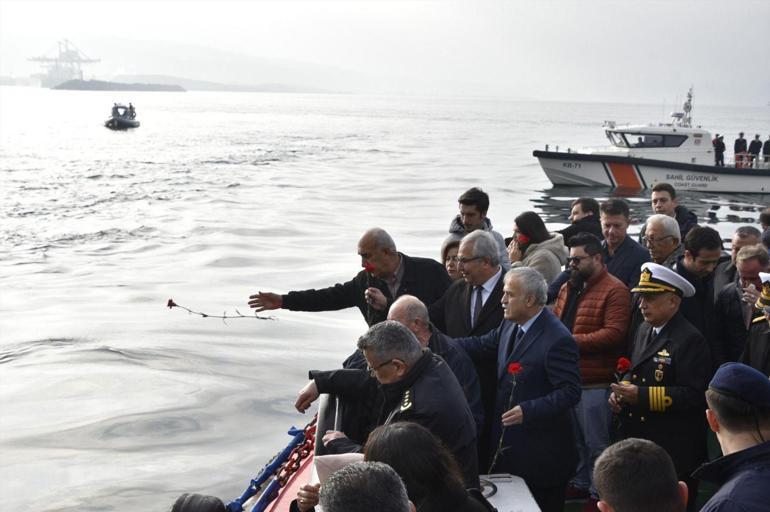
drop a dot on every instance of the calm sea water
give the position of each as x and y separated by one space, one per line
111 401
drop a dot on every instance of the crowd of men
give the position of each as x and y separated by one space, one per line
541 378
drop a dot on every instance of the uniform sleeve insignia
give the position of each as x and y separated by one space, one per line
406 402
658 399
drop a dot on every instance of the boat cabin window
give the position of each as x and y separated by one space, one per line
645 140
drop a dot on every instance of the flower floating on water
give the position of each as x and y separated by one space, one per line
171 304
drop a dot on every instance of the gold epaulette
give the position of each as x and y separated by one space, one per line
758 319
658 399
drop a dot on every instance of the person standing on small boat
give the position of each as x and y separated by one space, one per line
131 111
719 151
754 148
766 149
739 150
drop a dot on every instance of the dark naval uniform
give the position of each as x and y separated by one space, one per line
672 371
429 394
757 351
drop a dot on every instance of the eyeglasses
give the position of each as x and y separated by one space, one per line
374 369
576 259
463 261
654 241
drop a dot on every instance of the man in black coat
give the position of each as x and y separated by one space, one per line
458 314
757 351
702 252
661 397
387 275
739 146
410 312
725 273
735 303
664 202
584 217
766 149
754 148
413 384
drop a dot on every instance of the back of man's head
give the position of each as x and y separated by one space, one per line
739 397
364 487
475 197
637 475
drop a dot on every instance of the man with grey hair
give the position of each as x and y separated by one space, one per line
471 307
734 308
410 312
538 384
725 273
365 487
387 274
662 239
412 384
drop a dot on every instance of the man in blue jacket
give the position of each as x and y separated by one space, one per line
738 412
538 384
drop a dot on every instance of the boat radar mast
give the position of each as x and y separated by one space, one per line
683 118
65 66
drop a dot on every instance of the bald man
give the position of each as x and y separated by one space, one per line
387 274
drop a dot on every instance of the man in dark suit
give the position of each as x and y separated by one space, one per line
725 273
532 434
661 397
387 275
471 307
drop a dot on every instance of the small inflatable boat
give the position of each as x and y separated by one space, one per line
122 118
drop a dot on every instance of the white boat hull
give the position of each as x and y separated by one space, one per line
591 170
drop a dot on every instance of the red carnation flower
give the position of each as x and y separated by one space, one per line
369 267
514 368
623 365
523 239
171 304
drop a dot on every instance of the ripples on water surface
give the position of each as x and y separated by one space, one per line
109 400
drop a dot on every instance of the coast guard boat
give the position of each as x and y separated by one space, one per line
642 155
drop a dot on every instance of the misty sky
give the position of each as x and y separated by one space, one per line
629 51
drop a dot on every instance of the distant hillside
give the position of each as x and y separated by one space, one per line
202 85
100 85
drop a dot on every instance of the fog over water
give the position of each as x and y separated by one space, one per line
111 401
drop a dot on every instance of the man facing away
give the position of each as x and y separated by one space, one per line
387 275
595 306
365 487
474 204
532 432
412 384
664 202
637 475
739 147
661 396
738 412
584 217
766 149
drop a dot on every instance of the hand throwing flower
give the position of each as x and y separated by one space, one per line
513 370
224 316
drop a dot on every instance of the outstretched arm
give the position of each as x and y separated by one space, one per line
265 300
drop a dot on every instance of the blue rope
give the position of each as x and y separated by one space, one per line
270 493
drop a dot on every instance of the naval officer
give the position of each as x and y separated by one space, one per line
661 398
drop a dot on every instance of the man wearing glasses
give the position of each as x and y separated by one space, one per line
662 239
595 306
413 384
